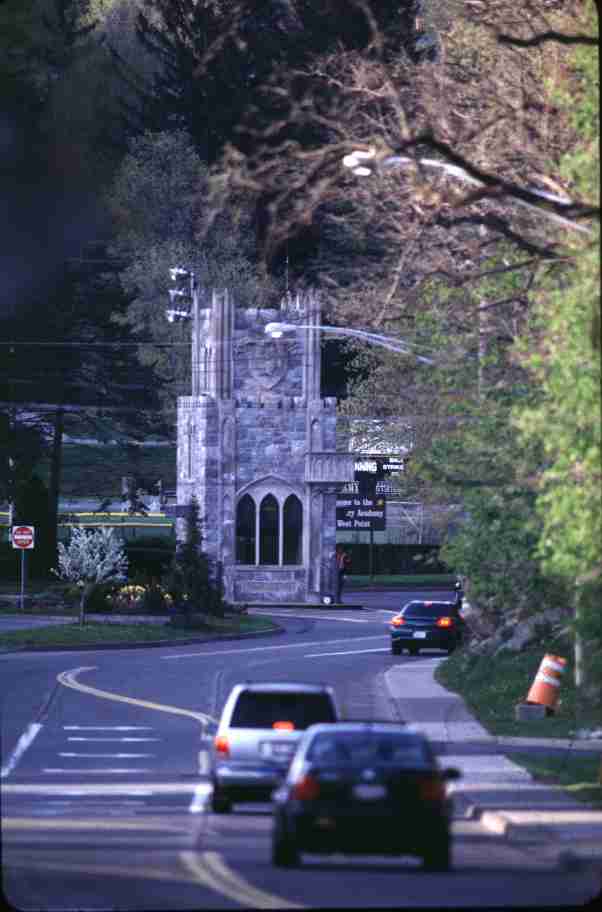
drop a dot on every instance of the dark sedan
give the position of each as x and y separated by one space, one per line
426 625
363 788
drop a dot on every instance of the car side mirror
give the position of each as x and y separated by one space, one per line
451 773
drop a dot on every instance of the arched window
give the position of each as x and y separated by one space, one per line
245 530
268 530
292 527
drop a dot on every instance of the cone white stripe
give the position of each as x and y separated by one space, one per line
547 679
550 663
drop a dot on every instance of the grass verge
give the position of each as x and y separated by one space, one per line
491 686
576 773
102 634
361 581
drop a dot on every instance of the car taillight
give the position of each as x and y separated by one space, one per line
445 622
432 789
221 745
397 621
306 789
284 726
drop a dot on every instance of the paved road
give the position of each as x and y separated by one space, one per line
104 783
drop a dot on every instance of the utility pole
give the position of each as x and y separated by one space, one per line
482 347
579 657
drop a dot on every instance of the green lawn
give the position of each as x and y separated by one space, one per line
492 686
99 634
85 468
578 774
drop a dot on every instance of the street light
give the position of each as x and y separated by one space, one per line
185 281
354 159
276 330
186 289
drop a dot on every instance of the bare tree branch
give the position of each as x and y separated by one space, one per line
536 40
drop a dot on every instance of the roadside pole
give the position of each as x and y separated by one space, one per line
23 575
23 539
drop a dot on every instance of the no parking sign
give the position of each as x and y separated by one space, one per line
23 537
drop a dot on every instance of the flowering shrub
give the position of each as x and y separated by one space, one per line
127 598
91 557
141 599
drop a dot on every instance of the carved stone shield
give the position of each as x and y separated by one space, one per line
267 362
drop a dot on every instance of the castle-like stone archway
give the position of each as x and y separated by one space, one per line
257 447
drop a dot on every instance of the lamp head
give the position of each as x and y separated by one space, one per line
275 330
177 272
176 316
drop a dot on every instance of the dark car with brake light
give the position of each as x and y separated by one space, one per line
363 788
426 625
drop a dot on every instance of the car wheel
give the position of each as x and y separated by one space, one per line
438 857
395 648
219 803
285 853
413 650
451 648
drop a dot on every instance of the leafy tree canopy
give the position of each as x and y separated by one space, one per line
158 200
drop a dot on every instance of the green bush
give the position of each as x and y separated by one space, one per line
100 600
156 600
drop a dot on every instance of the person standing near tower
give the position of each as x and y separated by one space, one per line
343 563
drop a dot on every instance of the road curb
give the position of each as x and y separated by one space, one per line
70 647
335 606
516 745
499 823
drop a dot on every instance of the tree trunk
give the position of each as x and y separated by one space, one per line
86 591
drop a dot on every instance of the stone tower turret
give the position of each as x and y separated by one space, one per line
257 447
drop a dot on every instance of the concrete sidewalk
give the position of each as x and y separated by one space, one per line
498 793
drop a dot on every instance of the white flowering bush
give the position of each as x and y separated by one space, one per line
92 556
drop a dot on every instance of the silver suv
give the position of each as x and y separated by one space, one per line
257 735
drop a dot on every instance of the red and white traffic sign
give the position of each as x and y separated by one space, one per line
23 537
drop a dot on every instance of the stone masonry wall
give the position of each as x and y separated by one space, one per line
271 441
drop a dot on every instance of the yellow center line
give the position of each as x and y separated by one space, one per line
210 869
94 823
71 867
68 679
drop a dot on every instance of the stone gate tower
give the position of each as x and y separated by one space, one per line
257 447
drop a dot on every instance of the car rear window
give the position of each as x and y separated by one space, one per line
424 610
358 749
261 710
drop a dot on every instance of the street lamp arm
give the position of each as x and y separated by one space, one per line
518 196
277 329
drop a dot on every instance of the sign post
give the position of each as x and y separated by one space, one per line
23 538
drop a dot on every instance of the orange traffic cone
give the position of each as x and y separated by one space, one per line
546 686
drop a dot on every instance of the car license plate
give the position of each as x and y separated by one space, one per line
277 750
420 634
369 792
325 823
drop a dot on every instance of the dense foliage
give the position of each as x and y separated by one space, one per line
192 581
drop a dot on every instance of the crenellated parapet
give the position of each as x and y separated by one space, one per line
329 468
